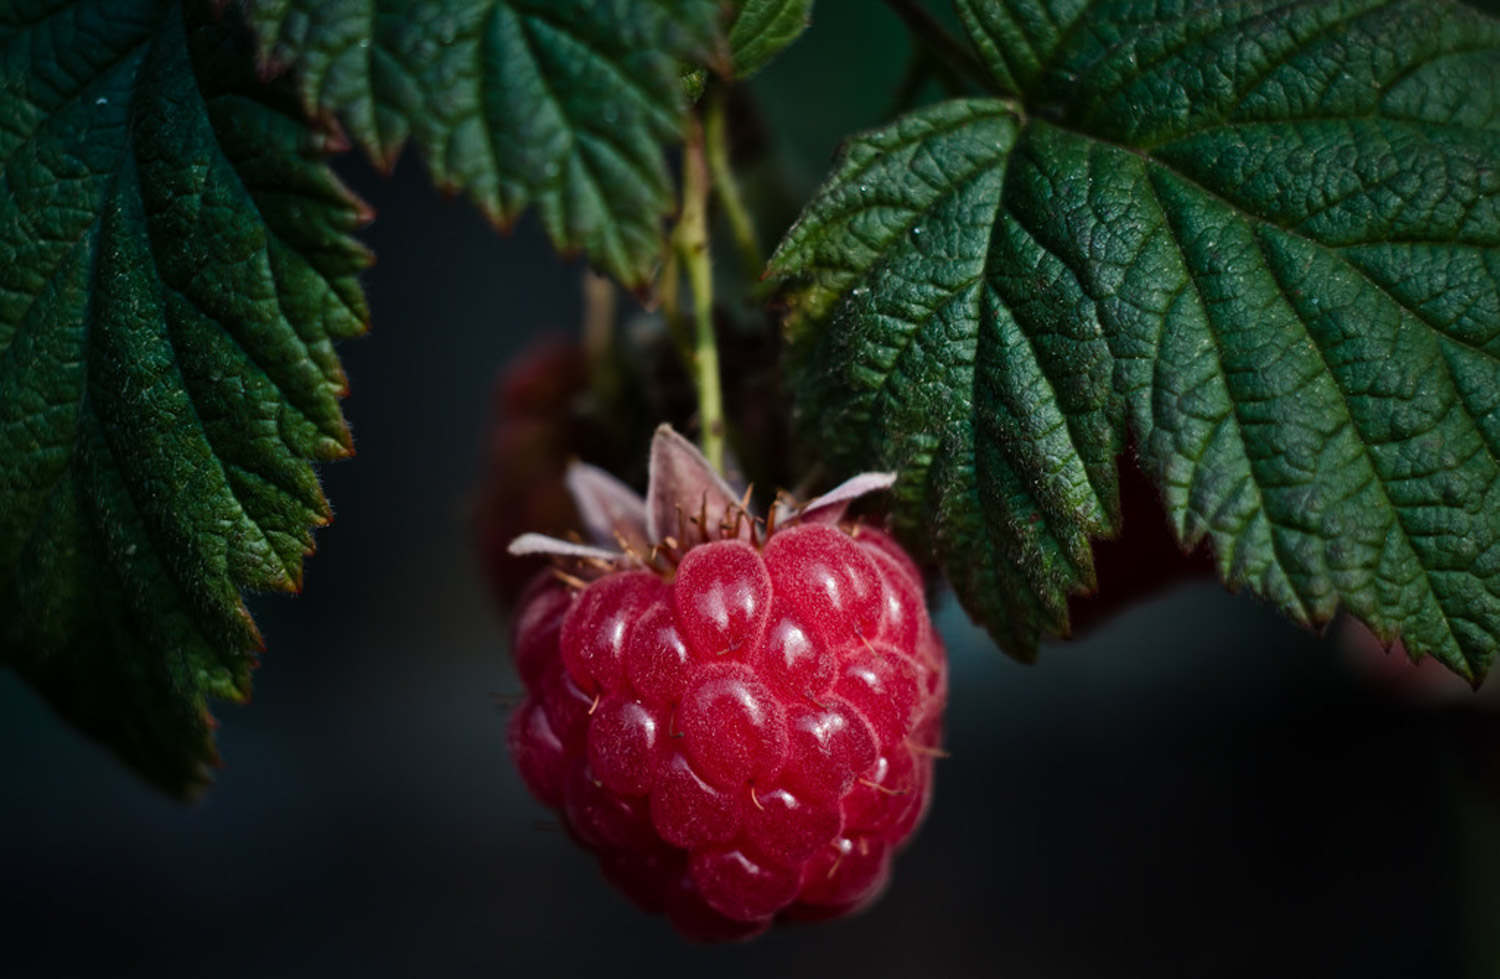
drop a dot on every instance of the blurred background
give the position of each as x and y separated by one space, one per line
1196 787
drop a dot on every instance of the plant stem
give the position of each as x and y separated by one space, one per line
690 241
669 295
949 50
599 304
716 139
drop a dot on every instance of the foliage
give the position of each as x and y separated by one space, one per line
175 263
1254 244
1258 241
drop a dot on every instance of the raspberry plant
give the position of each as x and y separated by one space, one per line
1252 248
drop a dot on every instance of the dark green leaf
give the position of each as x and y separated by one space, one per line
1258 240
762 28
559 103
174 266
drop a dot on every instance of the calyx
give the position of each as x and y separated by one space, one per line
687 503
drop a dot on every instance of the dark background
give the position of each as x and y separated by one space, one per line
1196 788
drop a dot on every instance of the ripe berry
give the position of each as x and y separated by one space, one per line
741 724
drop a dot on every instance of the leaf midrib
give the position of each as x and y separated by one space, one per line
93 226
128 159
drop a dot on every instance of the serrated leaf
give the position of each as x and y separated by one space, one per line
175 264
563 104
1260 241
762 28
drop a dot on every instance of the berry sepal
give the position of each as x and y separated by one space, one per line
687 503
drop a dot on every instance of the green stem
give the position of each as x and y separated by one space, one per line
690 241
741 226
669 294
949 51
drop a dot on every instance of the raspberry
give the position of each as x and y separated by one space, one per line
741 724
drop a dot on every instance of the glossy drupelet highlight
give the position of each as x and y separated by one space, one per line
746 735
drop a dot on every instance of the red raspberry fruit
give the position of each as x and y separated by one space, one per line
742 726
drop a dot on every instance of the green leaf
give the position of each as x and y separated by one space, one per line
762 28
1259 241
175 264
559 103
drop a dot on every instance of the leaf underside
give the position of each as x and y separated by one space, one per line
762 28
1258 241
561 104
175 264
